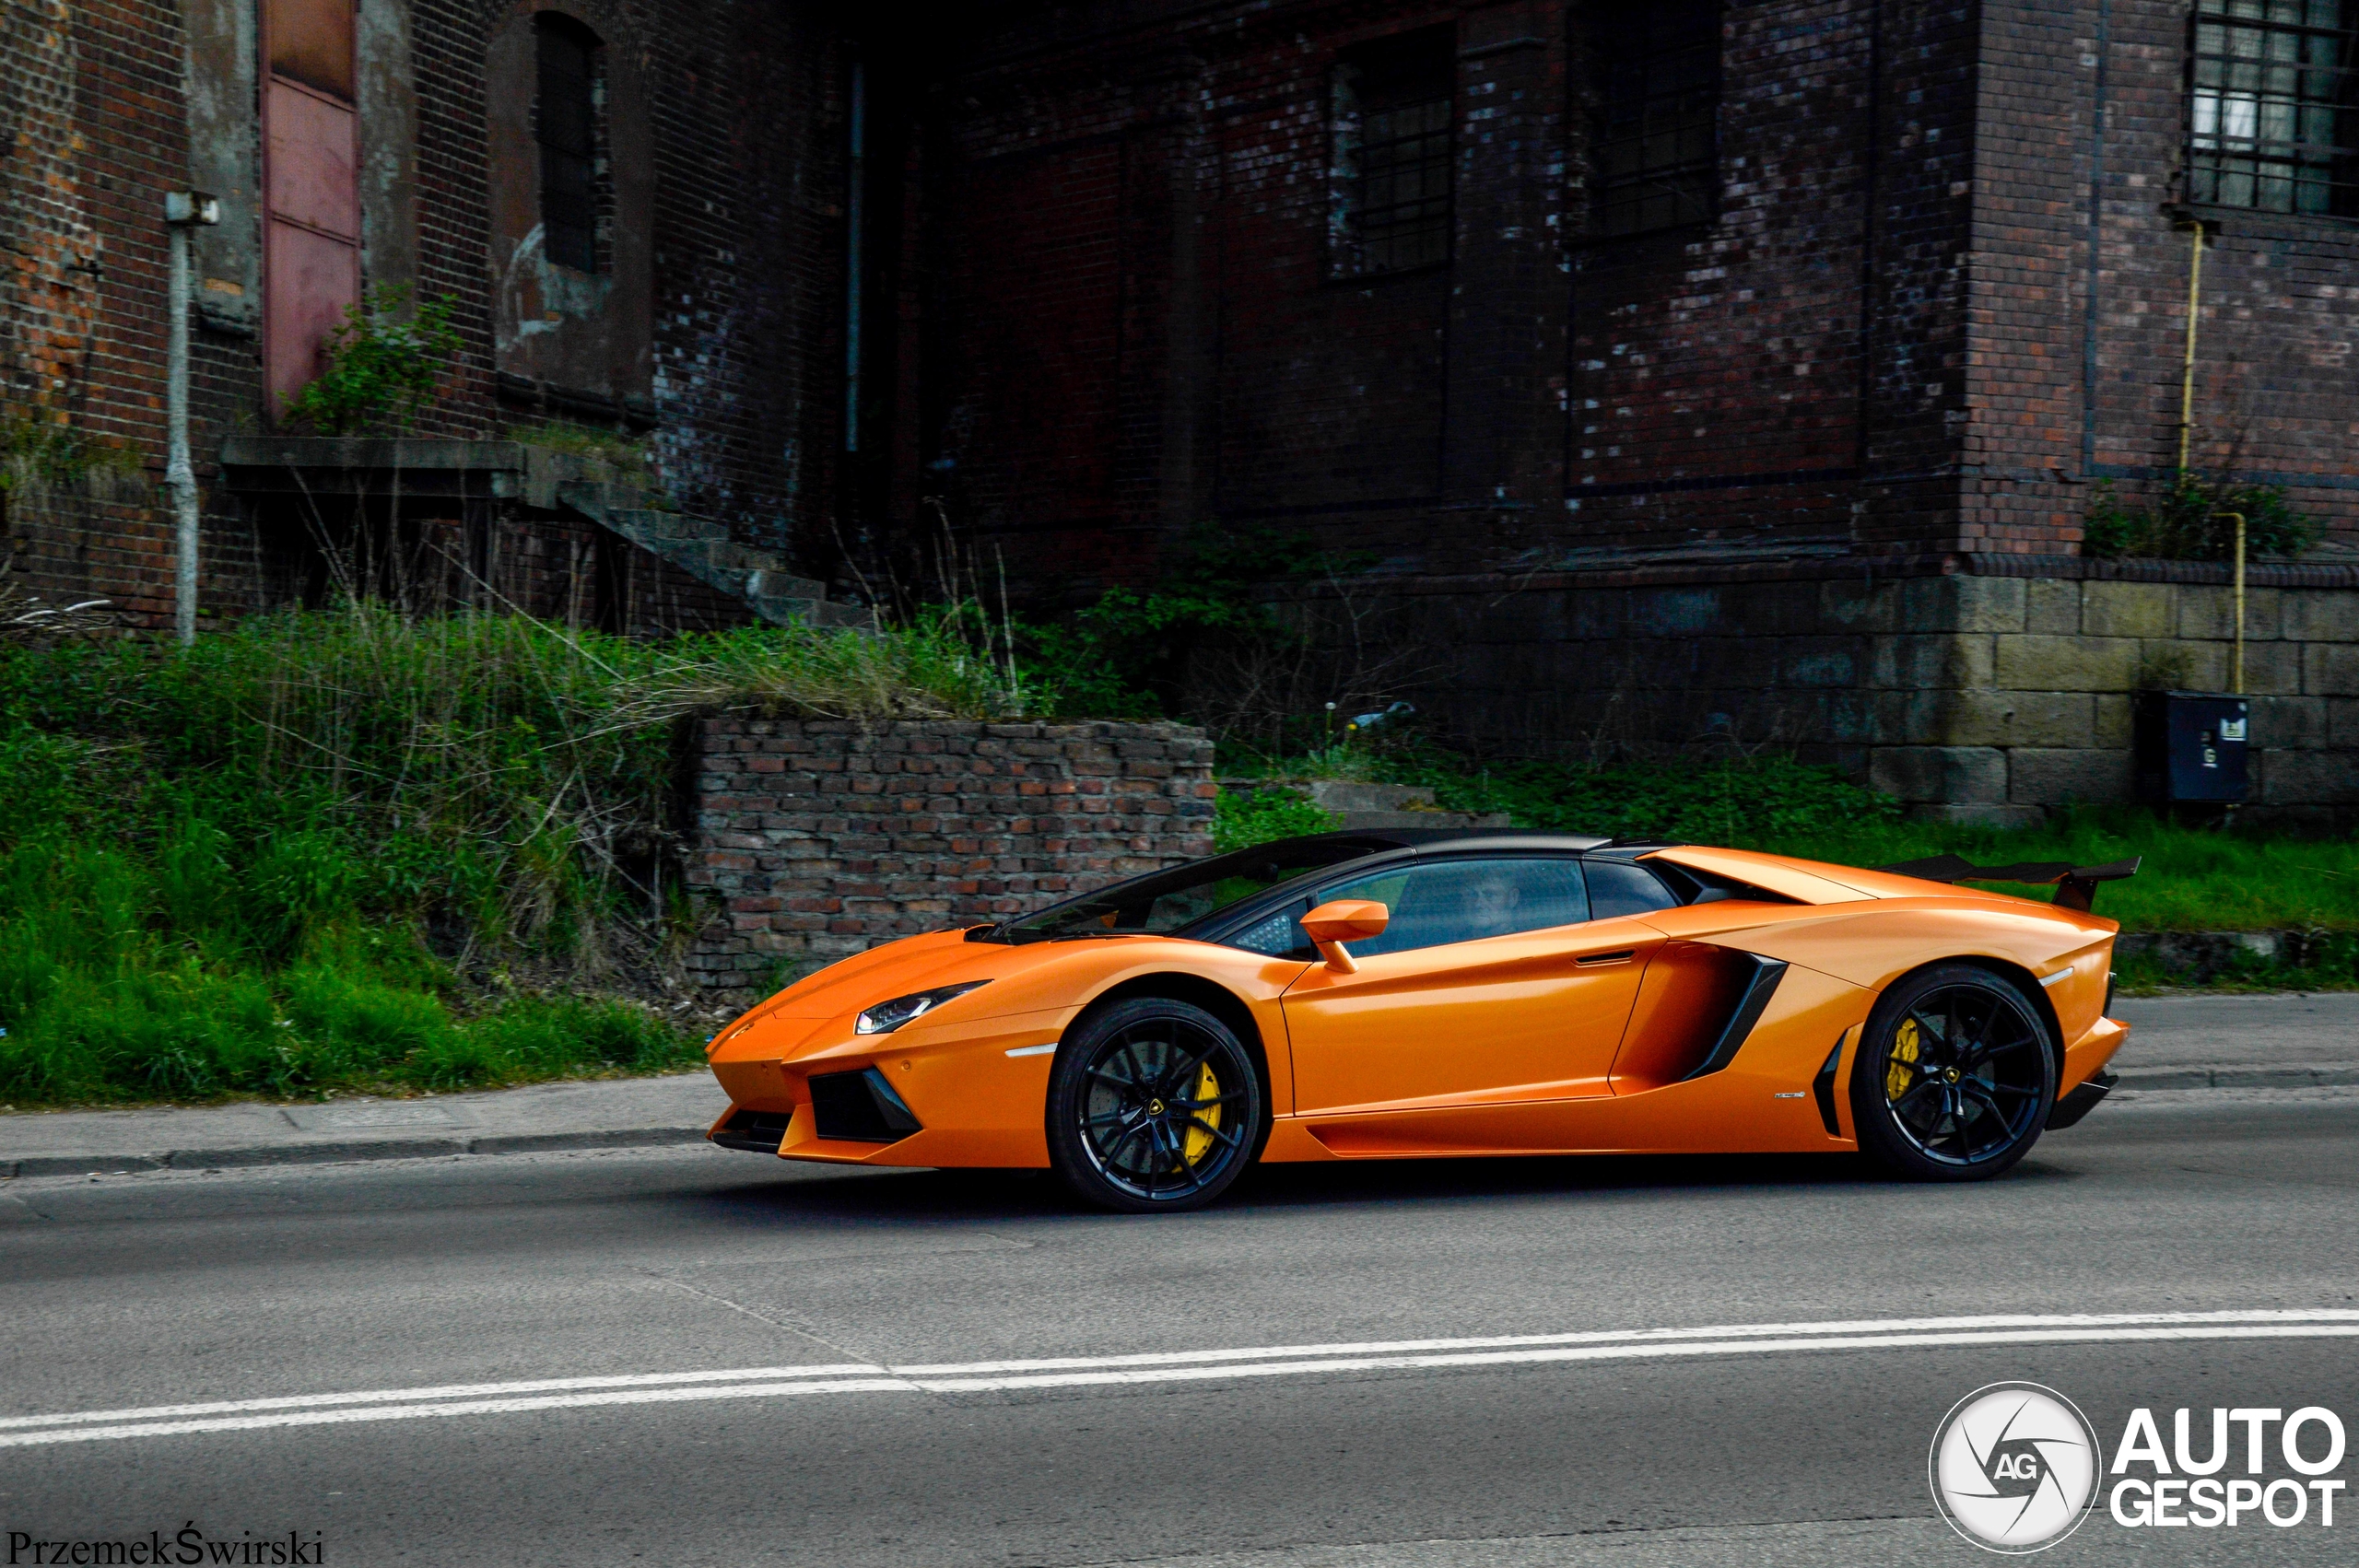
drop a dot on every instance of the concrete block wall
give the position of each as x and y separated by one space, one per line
824 839
1989 698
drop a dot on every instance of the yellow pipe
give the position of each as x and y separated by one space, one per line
2187 370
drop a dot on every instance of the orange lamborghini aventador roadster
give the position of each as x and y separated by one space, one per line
1392 995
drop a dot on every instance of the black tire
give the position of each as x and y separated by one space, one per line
1155 1107
1955 1076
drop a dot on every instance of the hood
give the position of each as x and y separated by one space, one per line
912 963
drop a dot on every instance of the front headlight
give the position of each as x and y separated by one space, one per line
888 1016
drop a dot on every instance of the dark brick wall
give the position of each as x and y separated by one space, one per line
1788 377
1879 345
825 838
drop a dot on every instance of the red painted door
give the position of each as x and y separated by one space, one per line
312 256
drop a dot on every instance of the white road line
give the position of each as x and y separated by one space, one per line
456 1399
1259 1352
1618 1336
458 1407
447 1391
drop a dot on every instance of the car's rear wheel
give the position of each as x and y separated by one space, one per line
1955 1076
1153 1106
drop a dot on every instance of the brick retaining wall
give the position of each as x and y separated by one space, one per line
824 839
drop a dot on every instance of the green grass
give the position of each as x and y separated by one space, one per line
165 977
341 850
1241 821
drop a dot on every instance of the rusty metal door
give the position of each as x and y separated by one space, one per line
312 255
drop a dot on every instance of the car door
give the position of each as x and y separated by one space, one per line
1491 985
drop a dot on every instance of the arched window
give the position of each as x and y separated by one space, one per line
570 160
566 126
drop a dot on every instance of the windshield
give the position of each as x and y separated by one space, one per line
1167 900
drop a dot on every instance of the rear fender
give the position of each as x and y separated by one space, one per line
1875 945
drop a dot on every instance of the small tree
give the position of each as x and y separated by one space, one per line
384 364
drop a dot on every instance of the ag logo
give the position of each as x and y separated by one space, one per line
2014 1467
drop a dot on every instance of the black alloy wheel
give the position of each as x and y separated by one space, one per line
1153 1106
1956 1077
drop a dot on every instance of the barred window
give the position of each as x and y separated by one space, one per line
1655 80
1393 145
567 128
2270 106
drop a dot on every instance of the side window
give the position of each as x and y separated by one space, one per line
1389 156
1467 900
1617 889
1655 81
566 125
2271 123
1279 935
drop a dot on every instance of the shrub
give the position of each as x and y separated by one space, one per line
383 366
2185 522
1241 821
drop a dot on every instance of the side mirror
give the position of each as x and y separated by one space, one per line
1330 926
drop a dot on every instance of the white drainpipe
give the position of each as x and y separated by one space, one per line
183 210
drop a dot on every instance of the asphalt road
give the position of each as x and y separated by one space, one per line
178 1289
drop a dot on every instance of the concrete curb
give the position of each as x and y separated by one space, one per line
2316 1077
346 1152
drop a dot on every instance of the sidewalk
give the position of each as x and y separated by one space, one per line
2239 1042
607 1113
2177 1043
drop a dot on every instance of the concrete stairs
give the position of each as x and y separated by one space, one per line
440 470
703 549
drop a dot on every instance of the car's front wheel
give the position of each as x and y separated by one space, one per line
1153 1106
1956 1077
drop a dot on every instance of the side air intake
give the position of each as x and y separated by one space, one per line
860 1107
1760 983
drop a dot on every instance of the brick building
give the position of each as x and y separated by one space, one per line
1696 368
1853 278
635 208
1714 366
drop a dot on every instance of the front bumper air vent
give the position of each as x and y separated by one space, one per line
757 1132
860 1107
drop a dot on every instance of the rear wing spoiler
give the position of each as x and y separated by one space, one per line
2079 884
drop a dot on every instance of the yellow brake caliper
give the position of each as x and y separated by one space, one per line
1199 1142
1896 1074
